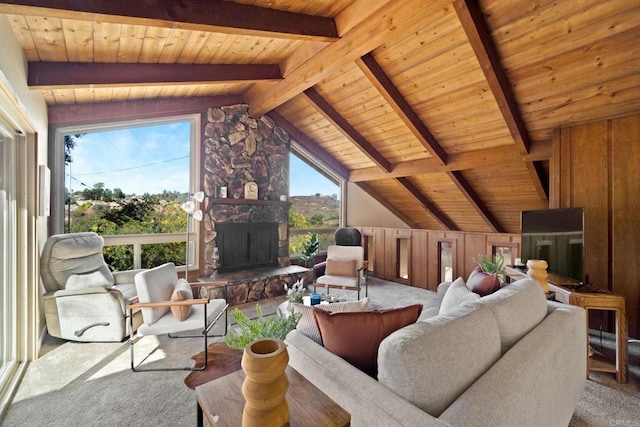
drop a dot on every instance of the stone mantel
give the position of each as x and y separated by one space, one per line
249 202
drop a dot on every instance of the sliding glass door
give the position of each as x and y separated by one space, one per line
7 252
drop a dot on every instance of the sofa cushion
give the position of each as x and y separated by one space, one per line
518 308
307 323
457 294
483 283
431 363
355 337
341 267
181 292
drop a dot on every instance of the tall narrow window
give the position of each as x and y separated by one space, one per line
402 258
369 251
445 261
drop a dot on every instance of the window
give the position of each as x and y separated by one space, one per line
7 250
446 255
127 182
316 202
402 258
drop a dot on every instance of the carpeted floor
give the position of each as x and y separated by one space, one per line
91 384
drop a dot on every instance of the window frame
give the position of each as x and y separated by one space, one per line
58 171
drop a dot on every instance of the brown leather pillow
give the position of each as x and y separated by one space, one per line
356 336
341 267
181 292
483 283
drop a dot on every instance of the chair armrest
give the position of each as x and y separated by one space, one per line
319 265
128 276
168 303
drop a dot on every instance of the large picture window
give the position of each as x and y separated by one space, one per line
128 182
316 203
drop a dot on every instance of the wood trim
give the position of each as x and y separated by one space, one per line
58 75
310 145
327 110
392 95
202 15
81 114
440 216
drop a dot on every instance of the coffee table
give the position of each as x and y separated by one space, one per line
220 403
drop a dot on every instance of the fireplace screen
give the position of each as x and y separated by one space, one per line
244 246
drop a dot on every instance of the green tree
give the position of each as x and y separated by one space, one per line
296 219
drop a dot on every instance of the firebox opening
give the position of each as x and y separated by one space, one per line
245 246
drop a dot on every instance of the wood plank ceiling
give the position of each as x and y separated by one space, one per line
442 110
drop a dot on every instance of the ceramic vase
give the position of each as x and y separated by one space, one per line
266 383
538 272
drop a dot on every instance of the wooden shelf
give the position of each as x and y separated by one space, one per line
249 202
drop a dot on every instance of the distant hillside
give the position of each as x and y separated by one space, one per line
319 211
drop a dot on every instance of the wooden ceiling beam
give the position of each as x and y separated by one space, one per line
104 112
311 146
465 188
439 216
387 21
475 27
477 159
327 110
390 207
60 75
202 15
394 98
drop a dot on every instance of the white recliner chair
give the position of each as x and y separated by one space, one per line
84 300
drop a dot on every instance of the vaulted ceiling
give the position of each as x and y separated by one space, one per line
442 110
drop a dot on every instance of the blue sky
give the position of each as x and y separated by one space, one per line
155 158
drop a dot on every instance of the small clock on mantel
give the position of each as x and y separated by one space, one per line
251 190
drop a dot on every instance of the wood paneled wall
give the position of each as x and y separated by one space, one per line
424 252
597 165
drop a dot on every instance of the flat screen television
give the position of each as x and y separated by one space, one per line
556 236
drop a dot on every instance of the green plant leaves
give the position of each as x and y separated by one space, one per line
249 330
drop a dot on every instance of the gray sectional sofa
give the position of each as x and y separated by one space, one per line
508 359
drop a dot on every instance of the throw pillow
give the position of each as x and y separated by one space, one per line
483 283
457 294
341 267
181 292
307 323
355 337
95 279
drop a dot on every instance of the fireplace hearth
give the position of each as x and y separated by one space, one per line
246 246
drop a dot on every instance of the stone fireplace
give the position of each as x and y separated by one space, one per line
238 149
245 246
250 236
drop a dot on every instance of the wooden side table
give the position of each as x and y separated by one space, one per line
593 301
602 301
220 403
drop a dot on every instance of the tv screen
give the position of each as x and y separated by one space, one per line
556 236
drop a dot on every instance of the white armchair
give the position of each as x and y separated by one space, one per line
345 268
169 308
84 300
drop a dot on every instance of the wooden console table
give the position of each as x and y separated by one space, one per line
595 301
220 403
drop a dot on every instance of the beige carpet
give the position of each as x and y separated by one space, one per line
91 384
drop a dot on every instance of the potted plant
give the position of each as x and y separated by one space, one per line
308 249
295 292
490 265
249 330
